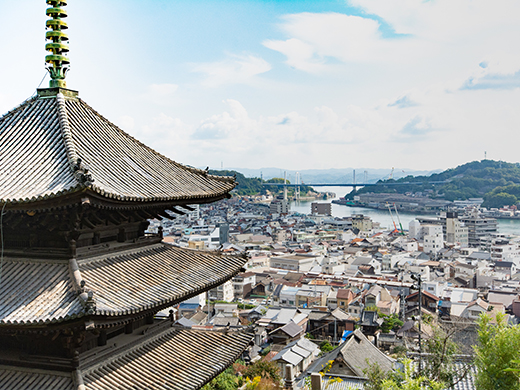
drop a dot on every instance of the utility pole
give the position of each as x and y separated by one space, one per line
418 279
335 331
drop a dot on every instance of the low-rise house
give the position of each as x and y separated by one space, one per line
429 302
474 309
299 354
243 284
287 333
352 357
356 307
370 322
296 263
344 297
324 325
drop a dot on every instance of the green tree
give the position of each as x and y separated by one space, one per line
263 369
500 200
325 347
496 354
225 381
376 376
391 322
405 380
438 364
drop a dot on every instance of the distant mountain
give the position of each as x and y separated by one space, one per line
344 175
253 186
498 182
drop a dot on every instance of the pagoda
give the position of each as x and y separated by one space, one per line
81 279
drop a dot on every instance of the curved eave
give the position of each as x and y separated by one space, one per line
105 199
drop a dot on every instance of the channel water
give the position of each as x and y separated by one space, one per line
505 226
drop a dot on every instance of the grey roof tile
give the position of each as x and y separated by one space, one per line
132 281
42 139
178 359
27 379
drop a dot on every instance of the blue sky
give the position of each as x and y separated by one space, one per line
293 84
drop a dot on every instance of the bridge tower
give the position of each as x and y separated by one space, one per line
297 190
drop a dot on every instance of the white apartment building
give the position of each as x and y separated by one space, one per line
456 233
505 252
433 240
295 263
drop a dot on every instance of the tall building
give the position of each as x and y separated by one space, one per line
455 231
480 229
321 208
81 282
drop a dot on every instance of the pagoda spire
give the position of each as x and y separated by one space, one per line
57 60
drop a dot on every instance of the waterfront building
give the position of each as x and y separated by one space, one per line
321 208
456 233
280 206
81 279
480 228
361 222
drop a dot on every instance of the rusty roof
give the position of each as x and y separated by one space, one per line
59 145
129 282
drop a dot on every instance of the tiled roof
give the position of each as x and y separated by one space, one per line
27 379
178 359
42 140
174 359
33 291
134 281
124 283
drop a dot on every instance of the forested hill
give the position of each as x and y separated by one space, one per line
253 186
497 182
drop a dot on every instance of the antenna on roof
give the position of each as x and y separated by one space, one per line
57 61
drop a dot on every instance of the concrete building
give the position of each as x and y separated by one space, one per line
295 263
479 228
321 208
433 239
456 233
361 222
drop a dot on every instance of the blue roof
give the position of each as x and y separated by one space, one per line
345 335
188 306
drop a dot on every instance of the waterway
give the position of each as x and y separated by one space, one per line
505 226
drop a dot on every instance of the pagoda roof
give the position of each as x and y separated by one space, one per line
37 292
172 358
56 145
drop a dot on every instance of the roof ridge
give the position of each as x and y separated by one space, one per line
187 167
18 108
79 171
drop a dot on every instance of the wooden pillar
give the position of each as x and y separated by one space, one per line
102 338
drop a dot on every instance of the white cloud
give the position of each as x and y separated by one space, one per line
161 94
235 69
126 123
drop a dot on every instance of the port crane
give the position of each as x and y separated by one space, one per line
399 220
391 216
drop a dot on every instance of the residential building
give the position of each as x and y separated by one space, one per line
456 233
479 228
294 262
321 208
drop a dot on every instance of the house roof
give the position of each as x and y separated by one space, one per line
157 276
345 293
425 293
355 352
291 329
43 139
